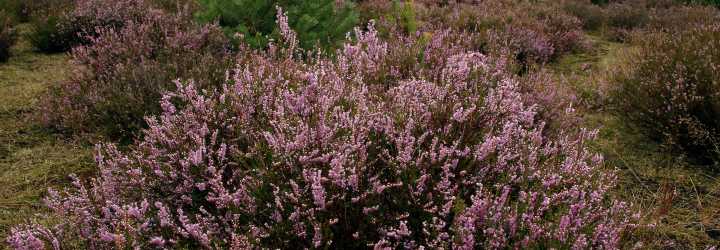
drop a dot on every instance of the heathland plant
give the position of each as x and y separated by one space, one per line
25 10
322 23
60 32
671 91
121 74
591 15
298 153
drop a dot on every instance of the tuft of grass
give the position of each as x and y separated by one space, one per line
32 159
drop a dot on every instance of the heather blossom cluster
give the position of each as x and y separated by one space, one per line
349 152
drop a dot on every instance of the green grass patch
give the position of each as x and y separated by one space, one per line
32 159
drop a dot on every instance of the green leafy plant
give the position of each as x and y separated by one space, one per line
318 23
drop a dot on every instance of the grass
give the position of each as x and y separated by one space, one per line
32 158
679 200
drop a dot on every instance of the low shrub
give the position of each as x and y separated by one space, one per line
529 33
26 10
14 9
120 76
61 32
679 18
591 15
623 18
538 39
322 23
670 91
7 36
176 6
715 3
48 36
298 154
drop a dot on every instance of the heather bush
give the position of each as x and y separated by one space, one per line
62 31
26 10
670 90
14 10
7 36
679 18
295 153
715 3
120 75
622 18
48 36
17 10
176 6
531 34
591 15
322 23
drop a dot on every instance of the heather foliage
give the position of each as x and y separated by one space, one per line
13 9
25 10
529 33
295 153
319 23
61 32
670 90
176 6
7 36
121 74
623 18
47 35
619 19
679 18
591 15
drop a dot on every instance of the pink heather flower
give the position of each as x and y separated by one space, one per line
318 191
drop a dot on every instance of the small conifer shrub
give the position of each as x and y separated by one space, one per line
318 23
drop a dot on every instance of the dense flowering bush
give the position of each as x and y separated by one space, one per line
7 36
120 76
306 154
670 90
